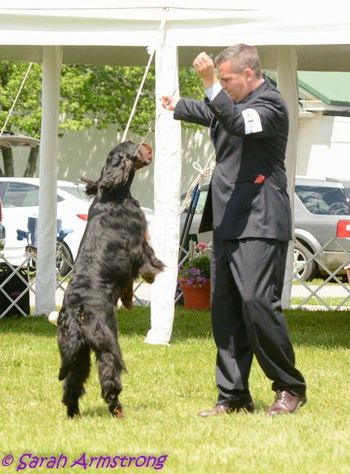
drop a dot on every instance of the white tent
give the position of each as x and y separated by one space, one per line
119 32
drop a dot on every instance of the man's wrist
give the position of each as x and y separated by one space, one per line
212 91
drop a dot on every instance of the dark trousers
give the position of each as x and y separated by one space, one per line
247 318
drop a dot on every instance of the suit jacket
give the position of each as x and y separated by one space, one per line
248 191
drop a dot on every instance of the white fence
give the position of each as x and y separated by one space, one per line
17 285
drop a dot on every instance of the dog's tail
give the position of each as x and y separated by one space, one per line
70 339
68 359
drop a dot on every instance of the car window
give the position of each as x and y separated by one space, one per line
21 195
201 201
324 200
76 191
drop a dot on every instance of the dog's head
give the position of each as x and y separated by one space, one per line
121 164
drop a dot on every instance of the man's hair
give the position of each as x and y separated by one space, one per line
242 56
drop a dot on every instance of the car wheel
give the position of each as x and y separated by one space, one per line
302 270
64 259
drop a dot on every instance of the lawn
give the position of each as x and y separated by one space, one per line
164 389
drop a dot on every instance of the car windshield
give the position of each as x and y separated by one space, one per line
76 191
324 200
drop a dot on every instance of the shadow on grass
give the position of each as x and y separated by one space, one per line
307 328
97 412
36 325
319 328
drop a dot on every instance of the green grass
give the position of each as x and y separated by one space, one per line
320 281
164 388
313 301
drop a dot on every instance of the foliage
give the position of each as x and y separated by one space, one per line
90 96
196 270
163 394
100 96
26 115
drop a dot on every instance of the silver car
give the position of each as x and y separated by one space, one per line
321 226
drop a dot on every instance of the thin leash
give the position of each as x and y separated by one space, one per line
151 51
149 130
16 98
202 172
133 110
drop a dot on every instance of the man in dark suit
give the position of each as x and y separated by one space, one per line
248 210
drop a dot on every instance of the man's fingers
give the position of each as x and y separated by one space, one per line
202 60
168 102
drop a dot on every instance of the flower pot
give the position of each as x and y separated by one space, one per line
196 298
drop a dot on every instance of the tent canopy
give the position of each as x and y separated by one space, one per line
110 32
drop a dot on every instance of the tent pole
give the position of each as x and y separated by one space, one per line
287 83
167 183
47 227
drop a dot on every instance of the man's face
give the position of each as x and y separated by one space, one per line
237 85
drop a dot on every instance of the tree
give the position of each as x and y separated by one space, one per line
90 96
98 96
25 118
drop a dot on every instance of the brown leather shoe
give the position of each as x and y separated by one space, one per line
221 409
285 403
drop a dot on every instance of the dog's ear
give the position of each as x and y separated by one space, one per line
117 172
91 186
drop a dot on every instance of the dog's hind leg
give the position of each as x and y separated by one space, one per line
109 367
74 382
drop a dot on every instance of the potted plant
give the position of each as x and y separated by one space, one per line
194 278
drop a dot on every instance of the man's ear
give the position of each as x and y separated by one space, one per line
248 74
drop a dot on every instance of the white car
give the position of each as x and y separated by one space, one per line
20 197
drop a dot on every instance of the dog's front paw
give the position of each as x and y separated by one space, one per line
127 303
127 296
149 273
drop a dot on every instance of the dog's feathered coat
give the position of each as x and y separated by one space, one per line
112 253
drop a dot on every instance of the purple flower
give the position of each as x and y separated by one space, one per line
197 271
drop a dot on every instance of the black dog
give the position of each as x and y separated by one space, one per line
112 253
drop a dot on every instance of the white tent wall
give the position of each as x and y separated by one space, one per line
323 150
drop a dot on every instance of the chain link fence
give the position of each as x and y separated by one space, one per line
17 283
